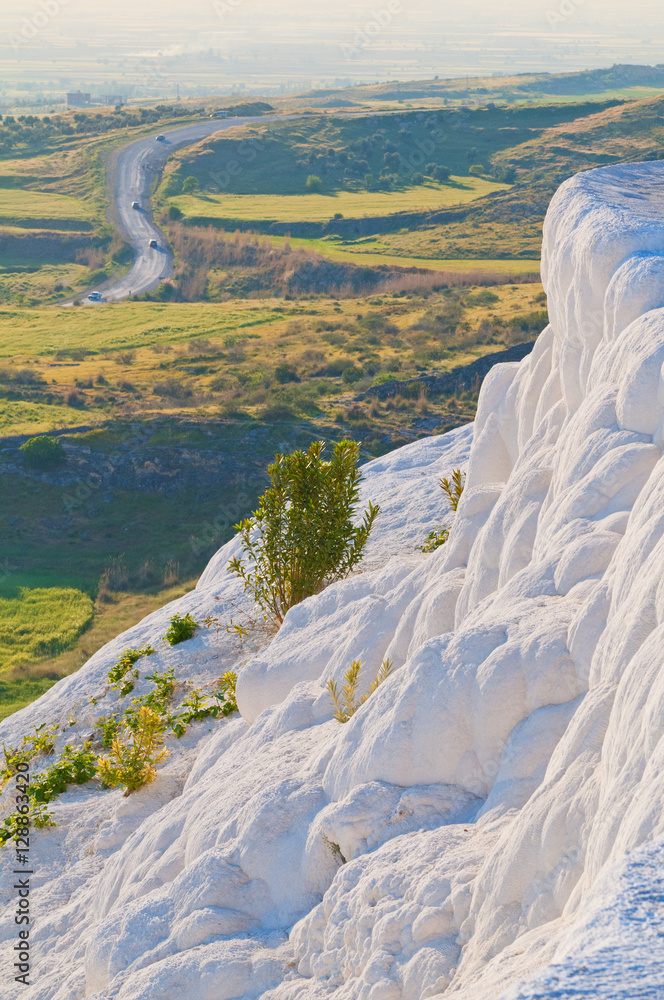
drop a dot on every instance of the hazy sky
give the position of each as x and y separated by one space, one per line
348 39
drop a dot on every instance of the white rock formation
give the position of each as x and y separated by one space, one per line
490 823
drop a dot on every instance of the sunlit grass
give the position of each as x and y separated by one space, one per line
41 622
321 207
17 203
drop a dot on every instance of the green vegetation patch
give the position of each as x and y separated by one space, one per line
40 623
45 205
316 207
121 326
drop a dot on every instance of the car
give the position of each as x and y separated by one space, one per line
135 204
95 296
161 138
154 244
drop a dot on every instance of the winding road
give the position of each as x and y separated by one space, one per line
137 167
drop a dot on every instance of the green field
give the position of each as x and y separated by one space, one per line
41 622
18 203
18 417
321 207
28 333
369 252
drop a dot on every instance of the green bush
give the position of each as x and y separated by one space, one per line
189 185
133 758
314 184
477 170
435 539
43 452
441 174
180 629
196 709
453 489
158 699
284 374
302 537
42 741
110 727
351 374
76 766
417 178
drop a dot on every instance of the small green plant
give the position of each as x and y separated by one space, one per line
117 675
435 539
134 756
76 766
314 184
236 629
344 700
181 629
158 700
42 741
226 692
195 708
453 489
43 452
110 727
302 537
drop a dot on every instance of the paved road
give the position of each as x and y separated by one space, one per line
138 166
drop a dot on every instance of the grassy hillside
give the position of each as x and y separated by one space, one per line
277 157
530 149
621 81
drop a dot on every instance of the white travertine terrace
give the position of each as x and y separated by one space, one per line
490 823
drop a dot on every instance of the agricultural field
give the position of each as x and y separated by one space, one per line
24 678
46 210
